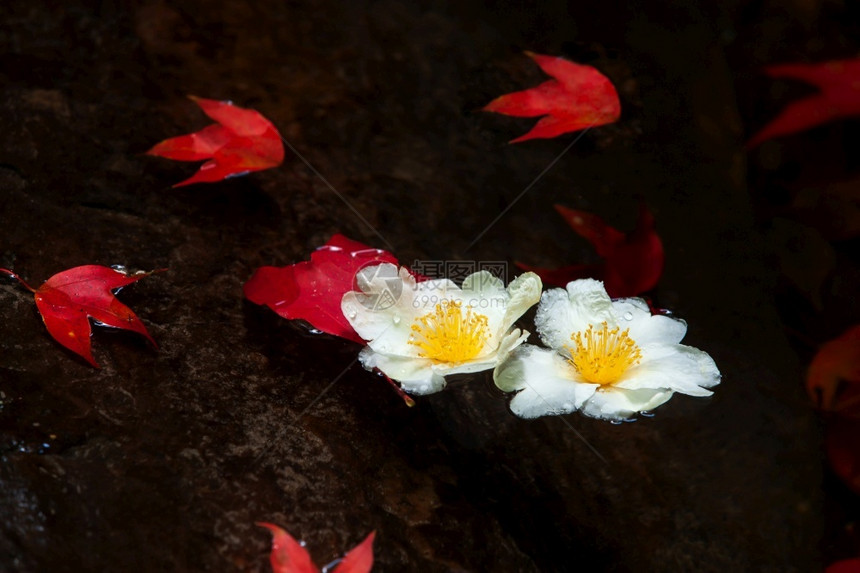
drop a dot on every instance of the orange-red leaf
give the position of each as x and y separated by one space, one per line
844 566
359 559
288 556
242 141
312 290
69 299
838 97
837 361
578 98
843 450
632 263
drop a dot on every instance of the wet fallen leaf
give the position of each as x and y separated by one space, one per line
288 555
312 290
844 566
837 362
838 97
242 141
632 263
69 299
843 451
578 98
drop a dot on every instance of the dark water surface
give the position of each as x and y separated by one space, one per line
163 460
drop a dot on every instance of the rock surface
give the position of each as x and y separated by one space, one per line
163 460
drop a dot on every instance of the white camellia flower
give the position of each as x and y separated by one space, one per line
608 359
419 332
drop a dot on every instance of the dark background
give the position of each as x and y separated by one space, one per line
163 460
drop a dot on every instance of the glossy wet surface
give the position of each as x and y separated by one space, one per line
163 460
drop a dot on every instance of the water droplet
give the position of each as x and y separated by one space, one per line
396 319
302 542
315 331
119 268
352 314
628 316
646 414
616 422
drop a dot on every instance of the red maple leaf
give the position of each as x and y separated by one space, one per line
578 98
242 141
288 556
843 451
844 566
312 290
838 97
70 298
836 362
632 263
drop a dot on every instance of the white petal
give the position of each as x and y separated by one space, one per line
563 312
645 328
545 381
613 403
673 367
633 305
484 284
524 292
416 376
366 311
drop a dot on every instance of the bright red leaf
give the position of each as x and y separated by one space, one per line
312 290
844 566
578 98
632 263
288 555
242 141
835 363
838 97
69 299
843 451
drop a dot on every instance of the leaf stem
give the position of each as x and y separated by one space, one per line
19 279
406 398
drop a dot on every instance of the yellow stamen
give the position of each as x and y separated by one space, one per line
603 356
450 335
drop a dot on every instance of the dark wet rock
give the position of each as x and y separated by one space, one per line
163 460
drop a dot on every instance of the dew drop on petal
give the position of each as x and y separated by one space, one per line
616 422
352 314
628 315
315 331
646 414
396 319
